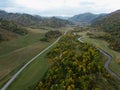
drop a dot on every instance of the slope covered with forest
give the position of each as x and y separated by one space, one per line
111 25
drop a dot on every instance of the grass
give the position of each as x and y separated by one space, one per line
32 74
15 53
20 42
37 30
114 65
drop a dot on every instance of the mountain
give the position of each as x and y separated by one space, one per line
62 17
55 22
21 19
33 21
85 18
98 17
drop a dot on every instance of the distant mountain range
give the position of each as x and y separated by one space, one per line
33 21
36 21
86 18
62 17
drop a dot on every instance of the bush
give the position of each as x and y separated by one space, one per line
1 38
45 39
53 34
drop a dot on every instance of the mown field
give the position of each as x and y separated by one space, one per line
114 64
15 53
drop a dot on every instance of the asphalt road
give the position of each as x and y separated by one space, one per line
109 58
79 39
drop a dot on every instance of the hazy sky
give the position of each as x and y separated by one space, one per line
59 7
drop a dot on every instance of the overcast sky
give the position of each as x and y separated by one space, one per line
59 7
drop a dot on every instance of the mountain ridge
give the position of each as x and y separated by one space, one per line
34 21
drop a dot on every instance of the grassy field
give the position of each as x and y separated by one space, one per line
114 64
32 74
15 53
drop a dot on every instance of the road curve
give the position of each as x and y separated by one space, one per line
16 75
109 58
80 39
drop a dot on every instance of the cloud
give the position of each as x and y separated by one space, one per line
47 4
59 7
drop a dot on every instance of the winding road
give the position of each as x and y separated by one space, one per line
109 58
79 39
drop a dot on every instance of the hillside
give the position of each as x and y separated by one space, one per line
110 22
55 22
85 18
21 19
6 35
111 25
98 18
33 21
9 29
